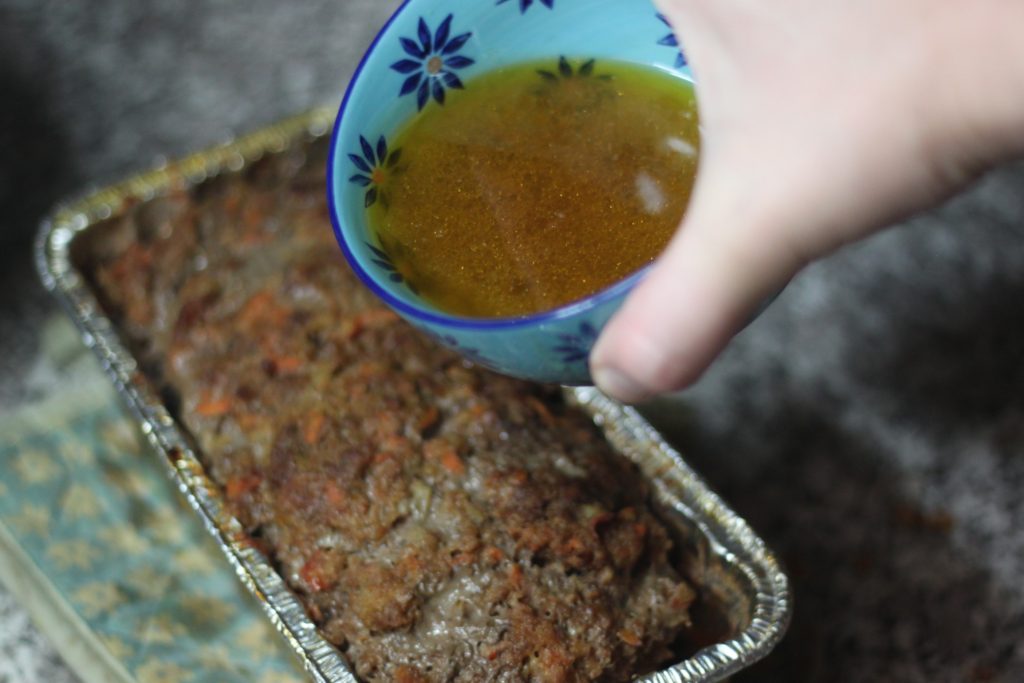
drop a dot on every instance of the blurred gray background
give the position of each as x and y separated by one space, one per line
870 425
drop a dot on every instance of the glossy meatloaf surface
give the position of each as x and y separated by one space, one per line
439 522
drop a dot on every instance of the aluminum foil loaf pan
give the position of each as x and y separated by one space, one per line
744 603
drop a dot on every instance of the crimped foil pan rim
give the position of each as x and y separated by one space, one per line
730 536
678 486
53 260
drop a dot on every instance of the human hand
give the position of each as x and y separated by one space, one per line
822 121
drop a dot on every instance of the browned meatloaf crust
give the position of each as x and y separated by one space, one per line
440 522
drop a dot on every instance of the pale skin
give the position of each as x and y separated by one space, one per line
823 121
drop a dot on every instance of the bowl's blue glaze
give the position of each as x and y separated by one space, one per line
426 53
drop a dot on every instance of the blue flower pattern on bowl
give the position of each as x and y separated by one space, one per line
470 353
467 352
672 41
526 4
426 46
384 262
432 61
565 71
372 164
575 347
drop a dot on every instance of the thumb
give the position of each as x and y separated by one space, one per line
727 259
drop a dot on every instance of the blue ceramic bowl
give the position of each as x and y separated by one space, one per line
400 76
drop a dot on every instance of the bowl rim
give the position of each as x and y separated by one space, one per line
563 312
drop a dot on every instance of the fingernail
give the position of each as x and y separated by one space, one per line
620 386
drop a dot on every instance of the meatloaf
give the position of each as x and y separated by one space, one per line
439 522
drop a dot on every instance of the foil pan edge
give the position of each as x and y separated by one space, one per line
53 260
731 538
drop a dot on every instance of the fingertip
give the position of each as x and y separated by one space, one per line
718 270
619 385
632 362
676 322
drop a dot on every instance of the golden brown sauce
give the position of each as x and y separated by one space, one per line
529 190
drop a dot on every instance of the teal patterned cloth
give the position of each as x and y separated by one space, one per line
85 505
